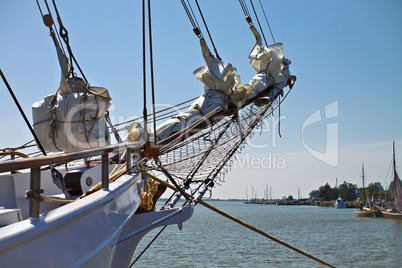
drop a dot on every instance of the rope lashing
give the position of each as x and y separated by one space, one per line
37 195
243 223
34 195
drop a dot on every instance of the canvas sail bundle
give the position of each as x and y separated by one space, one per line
218 78
72 122
73 119
271 66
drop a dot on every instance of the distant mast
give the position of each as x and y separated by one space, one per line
393 156
364 190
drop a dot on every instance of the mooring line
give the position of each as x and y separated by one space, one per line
243 223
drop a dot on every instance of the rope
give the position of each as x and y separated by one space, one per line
7 151
206 27
167 174
279 119
269 27
22 113
150 243
243 223
63 34
36 195
192 18
145 113
244 8
152 67
51 26
258 21
163 110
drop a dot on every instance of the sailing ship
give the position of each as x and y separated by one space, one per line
87 202
367 210
396 211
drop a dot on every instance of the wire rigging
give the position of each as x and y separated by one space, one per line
258 21
63 34
269 27
151 58
244 8
206 27
191 18
144 60
144 74
22 113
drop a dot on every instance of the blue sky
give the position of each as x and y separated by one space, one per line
344 53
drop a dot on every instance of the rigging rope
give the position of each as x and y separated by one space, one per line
145 113
22 113
152 67
163 110
206 27
244 7
269 27
149 244
255 229
258 21
192 18
48 21
62 35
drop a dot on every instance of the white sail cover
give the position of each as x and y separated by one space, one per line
271 66
72 122
218 79
73 119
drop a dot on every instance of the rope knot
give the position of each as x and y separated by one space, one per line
35 195
53 124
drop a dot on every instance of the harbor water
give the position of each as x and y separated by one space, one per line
336 236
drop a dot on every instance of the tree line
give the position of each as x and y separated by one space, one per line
350 192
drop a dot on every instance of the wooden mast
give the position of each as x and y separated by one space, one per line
393 156
364 189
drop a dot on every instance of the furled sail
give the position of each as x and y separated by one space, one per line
271 66
397 191
218 79
73 119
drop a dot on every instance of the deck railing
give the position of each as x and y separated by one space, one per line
36 163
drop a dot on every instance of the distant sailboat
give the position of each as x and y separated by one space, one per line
396 212
367 211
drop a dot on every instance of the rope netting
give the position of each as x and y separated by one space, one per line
208 153
205 149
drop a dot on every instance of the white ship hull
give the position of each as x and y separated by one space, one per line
87 232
